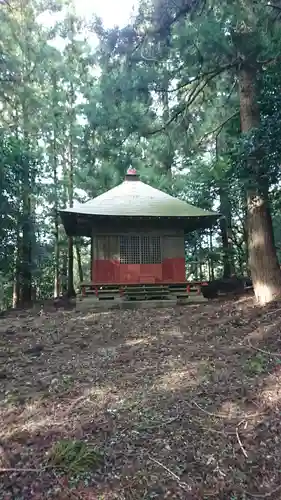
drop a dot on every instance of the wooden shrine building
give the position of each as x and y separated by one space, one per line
137 234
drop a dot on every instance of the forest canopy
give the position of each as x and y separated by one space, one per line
188 93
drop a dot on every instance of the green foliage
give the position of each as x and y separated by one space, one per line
257 364
75 116
74 457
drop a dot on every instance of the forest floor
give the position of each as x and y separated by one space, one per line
176 403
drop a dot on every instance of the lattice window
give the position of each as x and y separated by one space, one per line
129 250
151 250
140 250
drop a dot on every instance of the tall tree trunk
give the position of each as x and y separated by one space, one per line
16 283
200 259
241 261
63 274
79 262
168 152
64 250
27 239
17 253
225 228
27 227
263 263
211 262
245 238
70 283
226 221
55 179
70 279
57 256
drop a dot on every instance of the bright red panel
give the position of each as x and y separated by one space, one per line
173 270
111 271
129 273
106 271
150 273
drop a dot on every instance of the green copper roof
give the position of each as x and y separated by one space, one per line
134 198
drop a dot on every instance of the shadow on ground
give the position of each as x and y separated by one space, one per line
182 403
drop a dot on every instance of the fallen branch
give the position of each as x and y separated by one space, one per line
265 495
273 354
217 415
164 467
22 470
155 425
216 431
178 479
273 311
239 440
221 415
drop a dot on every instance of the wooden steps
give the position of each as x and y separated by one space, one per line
141 291
146 292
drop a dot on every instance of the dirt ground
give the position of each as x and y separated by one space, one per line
181 403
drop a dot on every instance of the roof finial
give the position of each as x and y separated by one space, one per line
131 174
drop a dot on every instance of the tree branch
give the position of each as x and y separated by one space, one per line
194 94
218 128
271 59
163 29
187 7
274 6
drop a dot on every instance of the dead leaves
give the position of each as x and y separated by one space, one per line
174 398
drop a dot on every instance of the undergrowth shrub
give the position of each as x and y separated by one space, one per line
75 456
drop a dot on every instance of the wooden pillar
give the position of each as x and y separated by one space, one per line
92 258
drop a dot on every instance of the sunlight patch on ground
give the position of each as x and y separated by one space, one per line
265 293
177 379
230 409
271 394
38 416
262 332
107 352
32 425
90 316
139 341
246 301
175 333
31 409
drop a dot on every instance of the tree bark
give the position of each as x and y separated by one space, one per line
27 226
57 257
263 263
226 231
64 250
228 266
226 221
79 262
17 254
63 274
16 284
211 262
168 153
70 280
55 179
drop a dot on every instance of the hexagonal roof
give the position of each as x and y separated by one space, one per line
133 198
